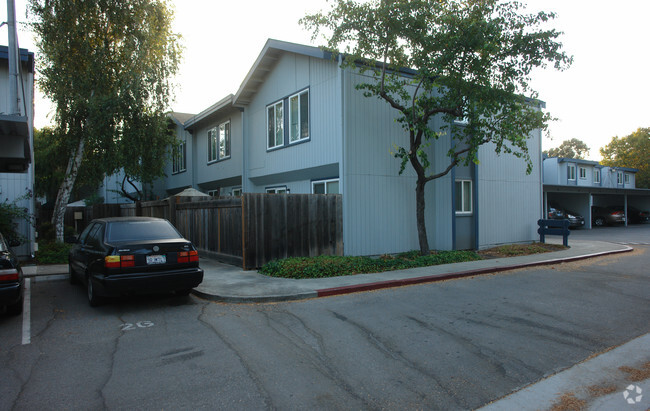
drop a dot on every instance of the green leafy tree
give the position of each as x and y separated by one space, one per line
107 66
630 151
469 59
573 148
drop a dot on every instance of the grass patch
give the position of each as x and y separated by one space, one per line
333 266
515 250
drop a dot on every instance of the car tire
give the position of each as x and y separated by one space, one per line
599 221
16 308
71 276
93 299
184 292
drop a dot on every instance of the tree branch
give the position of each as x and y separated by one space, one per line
454 162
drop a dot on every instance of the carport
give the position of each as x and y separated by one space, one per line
579 199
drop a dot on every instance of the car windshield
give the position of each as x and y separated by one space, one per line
119 231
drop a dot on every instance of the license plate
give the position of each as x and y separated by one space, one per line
156 259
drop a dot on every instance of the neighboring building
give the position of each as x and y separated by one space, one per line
298 125
578 185
17 139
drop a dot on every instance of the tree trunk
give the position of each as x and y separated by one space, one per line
65 190
422 228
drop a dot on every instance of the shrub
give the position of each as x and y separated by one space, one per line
52 252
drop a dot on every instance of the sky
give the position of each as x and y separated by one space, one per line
605 93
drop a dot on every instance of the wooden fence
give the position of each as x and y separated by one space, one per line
250 230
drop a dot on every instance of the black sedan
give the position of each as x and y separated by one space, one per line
12 282
133 255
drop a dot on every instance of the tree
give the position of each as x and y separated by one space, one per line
452 59
107 66
573 148
630 151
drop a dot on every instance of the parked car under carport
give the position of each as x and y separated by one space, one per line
601 216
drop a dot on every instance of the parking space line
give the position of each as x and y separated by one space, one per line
27 338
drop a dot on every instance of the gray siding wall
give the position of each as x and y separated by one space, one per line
551 171
379 204
294 73
509 200
210 176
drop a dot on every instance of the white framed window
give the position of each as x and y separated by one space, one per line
582 172
277 190
571 172
626 178
299 116
597 176
619 177
236 192
212 144
275 125
214 193
463 191
330 186
224 140
179 162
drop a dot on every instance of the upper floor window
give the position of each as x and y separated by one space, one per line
619 177
219 142
463 197
299 116
179 158
582 173
284 128
627 178
236 192
214 193
597 176
330 186
275 122
571 172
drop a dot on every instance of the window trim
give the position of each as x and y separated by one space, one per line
582 173
217 138
229 140
274 105
626 178
463 212
274 189
214 138
299 95
619 177
232 192
212 193
325 181
286 124
571 171
597 176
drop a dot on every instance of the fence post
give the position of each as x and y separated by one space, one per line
138 209
172 210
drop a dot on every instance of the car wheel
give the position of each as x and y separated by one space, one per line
71 276
599 221
93 299
15 309
183 292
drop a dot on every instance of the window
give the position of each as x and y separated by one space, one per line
463 197
583 173
277 190
325 186
597 176
275 121
219 142
214 193
299 117
212 145
178 160
236 192
571 172
627 178
619 177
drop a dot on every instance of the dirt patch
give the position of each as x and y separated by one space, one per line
637 374
514 250
600 390
569 402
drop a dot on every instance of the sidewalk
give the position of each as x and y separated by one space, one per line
227 283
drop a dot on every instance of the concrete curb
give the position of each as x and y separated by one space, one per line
255 299
441 277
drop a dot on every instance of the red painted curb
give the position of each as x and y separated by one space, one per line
349 289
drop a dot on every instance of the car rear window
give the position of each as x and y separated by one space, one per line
118 231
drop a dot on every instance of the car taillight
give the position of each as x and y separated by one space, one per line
188 256
10 274
617 213
119 261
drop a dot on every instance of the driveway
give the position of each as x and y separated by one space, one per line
631 235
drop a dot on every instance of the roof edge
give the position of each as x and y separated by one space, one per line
219 105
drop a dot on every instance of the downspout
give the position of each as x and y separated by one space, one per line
14 106
342 159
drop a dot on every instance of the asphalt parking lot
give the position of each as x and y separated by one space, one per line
632 234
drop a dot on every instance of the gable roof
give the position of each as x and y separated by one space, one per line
224 103
181 118
265 62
